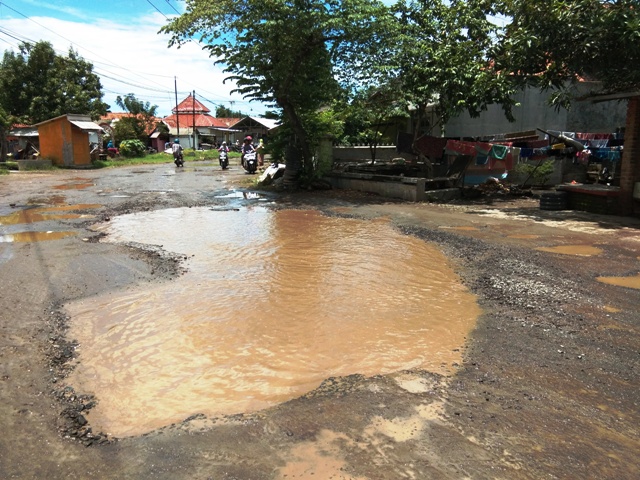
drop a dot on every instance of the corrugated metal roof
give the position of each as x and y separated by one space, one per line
90 126
23 132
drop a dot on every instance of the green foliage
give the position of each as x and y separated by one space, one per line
292 54
140 122
442 59
373 115
132 148
534 174
224 112
37 84
549 44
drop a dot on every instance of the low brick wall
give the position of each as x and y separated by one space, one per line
593 198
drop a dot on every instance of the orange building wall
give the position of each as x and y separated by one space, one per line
63 143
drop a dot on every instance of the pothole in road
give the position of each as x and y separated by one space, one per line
274 302
34 236
43 214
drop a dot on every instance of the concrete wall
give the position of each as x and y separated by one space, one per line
534 112
409 189
363 154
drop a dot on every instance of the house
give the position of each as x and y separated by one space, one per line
66 139
192 123
22 140
256 127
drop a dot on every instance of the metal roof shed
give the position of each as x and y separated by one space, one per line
65 139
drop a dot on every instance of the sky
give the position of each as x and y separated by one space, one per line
120 38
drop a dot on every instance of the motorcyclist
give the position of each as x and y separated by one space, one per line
223 148
177 149
247 147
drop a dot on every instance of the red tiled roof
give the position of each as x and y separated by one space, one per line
190 104
200 120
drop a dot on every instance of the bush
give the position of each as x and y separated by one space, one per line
534 174
132 148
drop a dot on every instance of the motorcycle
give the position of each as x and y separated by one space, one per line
224 159
250 162
179 160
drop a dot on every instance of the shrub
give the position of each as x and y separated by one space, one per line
534 174
132 148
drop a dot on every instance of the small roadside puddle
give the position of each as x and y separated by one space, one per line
34 236
628 282
43 214
273 303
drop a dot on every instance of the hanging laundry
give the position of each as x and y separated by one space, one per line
432 147
499 151
583 156
614 155
598 143
459 147
482 159
483 148
526 152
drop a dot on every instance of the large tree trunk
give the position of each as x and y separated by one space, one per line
302 140
3 144
427 166
630 163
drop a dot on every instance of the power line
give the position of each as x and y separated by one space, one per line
149 2
109 74
72 43
174 8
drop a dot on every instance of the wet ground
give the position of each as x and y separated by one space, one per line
544 384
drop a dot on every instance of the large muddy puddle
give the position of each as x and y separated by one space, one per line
273 303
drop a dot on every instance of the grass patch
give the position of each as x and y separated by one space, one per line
6 166
155 158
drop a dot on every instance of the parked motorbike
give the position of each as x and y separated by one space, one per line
250 162
179 160
224 159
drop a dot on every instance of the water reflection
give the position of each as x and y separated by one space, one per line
274 302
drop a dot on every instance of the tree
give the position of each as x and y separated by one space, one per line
442 60
372 112
139 123
293 54
551 44
224 112
37 84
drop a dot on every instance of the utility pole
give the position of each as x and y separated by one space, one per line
175 86
193 111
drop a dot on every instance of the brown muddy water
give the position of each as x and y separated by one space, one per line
273 303
41 214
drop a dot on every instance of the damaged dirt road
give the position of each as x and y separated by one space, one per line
547 387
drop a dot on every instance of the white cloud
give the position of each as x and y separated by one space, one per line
134 55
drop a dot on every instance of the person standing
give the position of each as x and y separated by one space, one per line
260 149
